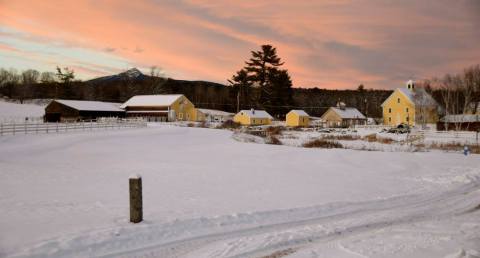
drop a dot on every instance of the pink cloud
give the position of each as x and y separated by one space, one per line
331 44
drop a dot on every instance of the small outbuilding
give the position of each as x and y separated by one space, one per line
459 122
212 115
253 117
342 116
60 110
297 118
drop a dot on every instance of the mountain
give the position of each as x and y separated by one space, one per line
132 75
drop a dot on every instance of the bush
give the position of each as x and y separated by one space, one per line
322 143
341 137
474 149
275 130
373 138
229 124
273 140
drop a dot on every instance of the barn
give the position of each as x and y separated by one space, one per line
60 110
168 107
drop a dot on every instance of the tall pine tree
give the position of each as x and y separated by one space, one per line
274 86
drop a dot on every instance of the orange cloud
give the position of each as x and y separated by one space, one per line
330 44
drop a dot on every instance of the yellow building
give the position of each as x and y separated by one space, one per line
343 116
409 106
173 107
298 118
253 117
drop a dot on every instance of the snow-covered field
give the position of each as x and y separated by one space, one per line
16 112
208 195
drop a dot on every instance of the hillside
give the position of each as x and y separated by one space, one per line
204 94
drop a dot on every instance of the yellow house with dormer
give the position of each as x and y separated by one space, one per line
253 117
409 106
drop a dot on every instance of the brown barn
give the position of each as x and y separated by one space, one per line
76 110
459 122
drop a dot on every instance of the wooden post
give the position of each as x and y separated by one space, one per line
136 205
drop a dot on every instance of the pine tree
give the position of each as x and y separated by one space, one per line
242 86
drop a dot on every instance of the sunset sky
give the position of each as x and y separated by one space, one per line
327 44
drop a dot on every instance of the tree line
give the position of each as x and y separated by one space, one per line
263 83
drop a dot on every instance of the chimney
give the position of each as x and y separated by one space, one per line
253 111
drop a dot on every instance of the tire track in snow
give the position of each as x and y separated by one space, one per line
262 233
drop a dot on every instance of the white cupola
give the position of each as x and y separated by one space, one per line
411 85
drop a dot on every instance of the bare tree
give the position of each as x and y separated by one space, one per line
156 76
47 77
471 91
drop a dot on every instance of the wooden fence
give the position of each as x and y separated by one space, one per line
37 128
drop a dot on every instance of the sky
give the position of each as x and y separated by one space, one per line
333 44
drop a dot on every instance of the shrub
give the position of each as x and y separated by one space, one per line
273 140
275 130
322 143
229 124
474 149
341 137
371 137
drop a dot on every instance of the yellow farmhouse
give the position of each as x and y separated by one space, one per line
174 107
409 106
297 118
253 117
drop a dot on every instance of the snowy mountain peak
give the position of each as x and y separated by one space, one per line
133 73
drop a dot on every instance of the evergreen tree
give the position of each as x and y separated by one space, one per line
242 87
261 83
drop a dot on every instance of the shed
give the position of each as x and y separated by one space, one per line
297 118
459 122
212 115
76 110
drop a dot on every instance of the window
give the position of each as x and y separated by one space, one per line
398 100
408 118
389 119
389 110
407 110
180 116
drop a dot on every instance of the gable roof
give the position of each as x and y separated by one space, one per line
460 118
83 105
256 113
418 97
299 112
214 112
348 113
151 100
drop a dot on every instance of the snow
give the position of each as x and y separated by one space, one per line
209 195
461 118
214 112
348 113
151 100
299 112
84 105
256 113
10 112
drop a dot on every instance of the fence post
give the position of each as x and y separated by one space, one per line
13 128
136 205
25 127
57 127
1 129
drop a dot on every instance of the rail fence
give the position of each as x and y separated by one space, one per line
90 125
